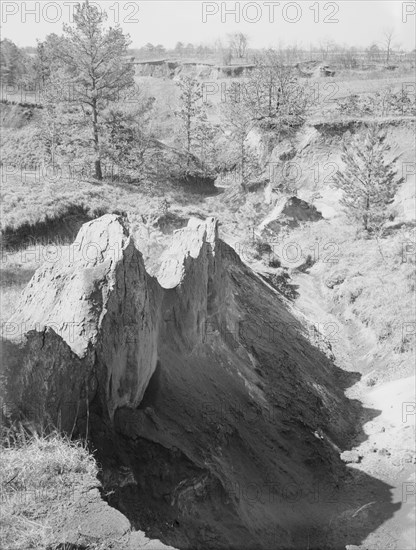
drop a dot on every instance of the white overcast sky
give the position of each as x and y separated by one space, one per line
356 23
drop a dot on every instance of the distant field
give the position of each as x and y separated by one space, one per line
346 81
346 86
325 90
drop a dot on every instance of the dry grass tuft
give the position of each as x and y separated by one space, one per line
39 475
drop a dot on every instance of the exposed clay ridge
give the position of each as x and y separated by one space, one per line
101 310
190 244
64 294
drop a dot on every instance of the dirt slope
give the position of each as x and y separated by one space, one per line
216 422
387 450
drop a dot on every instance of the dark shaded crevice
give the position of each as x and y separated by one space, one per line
110 386
64 227
198 184
68 546
150 395
282 284
162 492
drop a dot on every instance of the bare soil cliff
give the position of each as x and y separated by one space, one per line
216 422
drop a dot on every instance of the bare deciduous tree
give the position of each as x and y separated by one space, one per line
238 44
195 129
387 43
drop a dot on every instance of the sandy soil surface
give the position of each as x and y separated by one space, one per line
387 453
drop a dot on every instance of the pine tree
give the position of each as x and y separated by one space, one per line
47 59
12 63
42 69
206 148
275 95
96 59
238 121
62 128
128 136
369 181
191 114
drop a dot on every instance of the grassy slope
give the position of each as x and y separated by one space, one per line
369 281
48 214
39 476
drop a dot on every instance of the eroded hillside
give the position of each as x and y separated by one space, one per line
215 420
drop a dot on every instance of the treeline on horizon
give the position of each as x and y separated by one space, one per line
24 65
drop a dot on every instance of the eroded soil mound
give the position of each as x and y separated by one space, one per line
214 418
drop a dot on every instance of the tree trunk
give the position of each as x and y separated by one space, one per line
98 169
366 214
188 141
53 147
243 184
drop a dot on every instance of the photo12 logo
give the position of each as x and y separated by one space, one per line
272 12
408 410
54 12
408 10
408 491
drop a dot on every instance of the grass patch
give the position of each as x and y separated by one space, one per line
378 277
40 476
40 220
31 198
21 146
28 200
